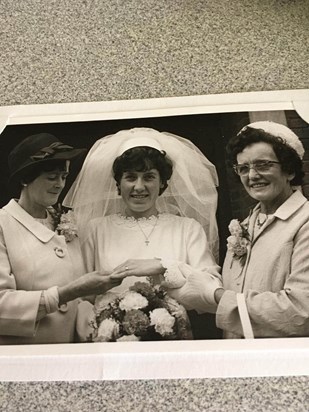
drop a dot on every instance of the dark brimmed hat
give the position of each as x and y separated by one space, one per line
35 150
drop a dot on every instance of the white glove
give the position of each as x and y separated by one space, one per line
198 292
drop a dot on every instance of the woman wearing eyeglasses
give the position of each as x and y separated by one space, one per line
266 271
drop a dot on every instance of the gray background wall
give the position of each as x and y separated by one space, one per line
65 51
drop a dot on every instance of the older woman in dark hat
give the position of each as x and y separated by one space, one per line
41 272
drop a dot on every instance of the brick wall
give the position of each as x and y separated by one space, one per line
301 128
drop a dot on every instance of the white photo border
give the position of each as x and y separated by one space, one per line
165 359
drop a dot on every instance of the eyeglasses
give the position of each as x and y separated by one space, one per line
260 166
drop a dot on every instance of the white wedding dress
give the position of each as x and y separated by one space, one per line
179 242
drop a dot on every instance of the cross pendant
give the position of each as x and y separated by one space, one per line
147 242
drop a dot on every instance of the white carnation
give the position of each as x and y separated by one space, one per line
133 300
162 321
108 330
237 245
231 242
235 228
67 226
128 338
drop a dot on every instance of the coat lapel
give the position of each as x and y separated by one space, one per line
287 209
36 228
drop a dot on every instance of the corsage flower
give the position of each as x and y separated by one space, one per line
64 223
239 240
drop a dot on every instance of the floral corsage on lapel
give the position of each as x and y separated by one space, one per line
239 240
64 222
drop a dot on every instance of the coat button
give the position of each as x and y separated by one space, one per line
63 308
59 252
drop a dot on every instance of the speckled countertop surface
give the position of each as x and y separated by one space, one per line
94 50
233 395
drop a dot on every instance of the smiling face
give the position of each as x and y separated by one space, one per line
42 192
139 191
271 187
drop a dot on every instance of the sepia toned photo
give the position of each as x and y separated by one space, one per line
180 227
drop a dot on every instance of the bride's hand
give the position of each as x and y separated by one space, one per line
138 267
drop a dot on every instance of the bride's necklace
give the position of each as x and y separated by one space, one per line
147 241
260 222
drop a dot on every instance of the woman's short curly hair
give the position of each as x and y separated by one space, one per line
289 159
141 159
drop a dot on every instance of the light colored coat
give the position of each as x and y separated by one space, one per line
274 278
29 264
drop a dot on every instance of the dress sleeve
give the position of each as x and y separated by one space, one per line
275 314
199 273
18 308
198 258
49 302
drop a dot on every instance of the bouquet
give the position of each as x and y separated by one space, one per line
143 313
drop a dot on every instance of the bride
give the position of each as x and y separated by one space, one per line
145 203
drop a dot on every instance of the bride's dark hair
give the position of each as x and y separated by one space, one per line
141 159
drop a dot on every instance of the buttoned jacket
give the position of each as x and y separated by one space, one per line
33 258
274 279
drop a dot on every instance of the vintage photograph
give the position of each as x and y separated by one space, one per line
181 227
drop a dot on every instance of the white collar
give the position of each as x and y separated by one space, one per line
36 228
293 203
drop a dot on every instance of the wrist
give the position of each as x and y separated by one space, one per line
172 275
67 293
161 268
51 299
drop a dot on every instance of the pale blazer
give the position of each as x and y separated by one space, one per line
274 278
29 263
